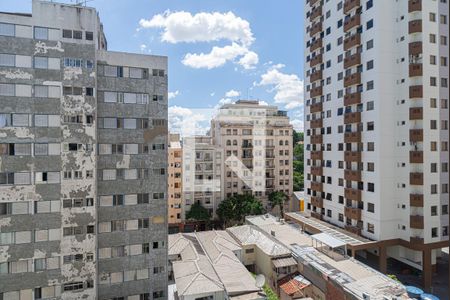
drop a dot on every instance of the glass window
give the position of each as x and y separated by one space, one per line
7 29
7 60
7 89
41 91
41 33
89 36
77 34
41 62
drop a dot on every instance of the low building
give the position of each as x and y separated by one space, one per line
335 276
208 265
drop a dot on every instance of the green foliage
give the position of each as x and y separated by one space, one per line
297 137
278 198
234 209
198 213
298 163
269 293
393 277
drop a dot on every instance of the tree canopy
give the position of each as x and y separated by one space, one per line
234 209
278 198
198 213
298 162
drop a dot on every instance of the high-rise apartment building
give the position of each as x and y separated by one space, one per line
376 123
203 167
175 179
258 152
83 134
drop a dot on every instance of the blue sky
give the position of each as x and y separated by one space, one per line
262 40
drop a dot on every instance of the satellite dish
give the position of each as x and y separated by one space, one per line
260 281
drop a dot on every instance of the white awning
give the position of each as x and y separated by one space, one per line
328 240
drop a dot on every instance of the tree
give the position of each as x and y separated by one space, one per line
297 137
298 167
278 198
198 213
234 209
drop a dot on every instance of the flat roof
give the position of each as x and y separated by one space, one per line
328 240
354 276
331 230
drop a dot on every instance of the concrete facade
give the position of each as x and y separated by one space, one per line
175 179
83 159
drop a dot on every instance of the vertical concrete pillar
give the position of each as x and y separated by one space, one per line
353 253
382 259
427 272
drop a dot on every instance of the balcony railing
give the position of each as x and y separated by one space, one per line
352 194
416 222
353 98
352 60
352 156
350 4
352 137
316 44
317 139
352 79
316 107
415 26
416 135
414 5
416 178
416 157
318 59
415 113
353 213
317 201
352 175
354 117
416 91
316 171
316 92
352 41
415 70
316 123
316 76
415 48
416 200
352 22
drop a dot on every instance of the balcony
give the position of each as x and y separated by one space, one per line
318 59
353 229
352 60
415 113
415 26
415 48
316 12
353 98
315 76
317 139
416 222
315 92
352 194
416 240
316 45
247 146
416 91
317 186
316 155
352 41
416 157
350 118
415 70
416 200
317 201
414 5
316 215
316 171
352 175
312 2
416 135
315 28
316 123
350 4
352 22
352 156
352 79
352 137
416 178
353 213
316 107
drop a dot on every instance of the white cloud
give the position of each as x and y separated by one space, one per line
232 93
143 47
202 27
188 121
207 27
288 88
216 58
173 94
212 94
298 124
249 60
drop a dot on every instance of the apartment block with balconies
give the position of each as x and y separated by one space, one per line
257 144
376 123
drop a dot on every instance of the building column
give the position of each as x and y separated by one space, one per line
353 253
427 271
382 259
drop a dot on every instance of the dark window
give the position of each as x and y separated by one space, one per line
77 34
89 91
67 33
89 35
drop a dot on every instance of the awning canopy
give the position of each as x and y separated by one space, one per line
284 262
328 240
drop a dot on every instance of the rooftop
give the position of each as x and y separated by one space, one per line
354 276
208 264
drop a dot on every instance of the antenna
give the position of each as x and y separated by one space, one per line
260 281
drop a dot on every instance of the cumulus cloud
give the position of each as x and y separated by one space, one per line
173 94
232 93
297 124
288 88
188 121
202 27
207 27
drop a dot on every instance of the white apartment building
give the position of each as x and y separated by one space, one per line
257 144
376 123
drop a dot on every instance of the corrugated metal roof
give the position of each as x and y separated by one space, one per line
284 262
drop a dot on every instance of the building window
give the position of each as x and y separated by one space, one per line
7 29
41 33
434 232
370 228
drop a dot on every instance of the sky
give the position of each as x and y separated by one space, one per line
219 50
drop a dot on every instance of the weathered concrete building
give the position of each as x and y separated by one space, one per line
175 179
83 158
